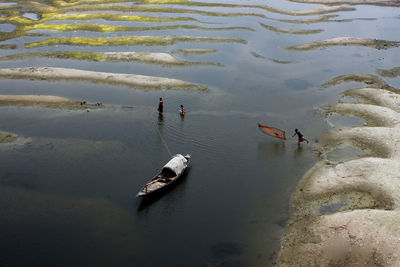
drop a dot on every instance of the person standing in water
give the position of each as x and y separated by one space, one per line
182 111
161 105
300 136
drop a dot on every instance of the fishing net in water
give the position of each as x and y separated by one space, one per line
272 131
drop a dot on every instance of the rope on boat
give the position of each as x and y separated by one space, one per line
161 137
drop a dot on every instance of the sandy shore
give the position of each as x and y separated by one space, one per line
131 80
347 213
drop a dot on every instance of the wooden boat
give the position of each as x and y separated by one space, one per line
167 176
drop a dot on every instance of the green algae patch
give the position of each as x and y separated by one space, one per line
368 79
6 137
390 73
162 59
130 80
325 18
18 33
16 19
55 102
289 31
194 51
109 28
345 41
109 16
129 40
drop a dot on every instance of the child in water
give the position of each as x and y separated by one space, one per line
182 111
300 136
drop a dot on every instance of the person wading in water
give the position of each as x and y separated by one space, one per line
160 105
182 111
300 136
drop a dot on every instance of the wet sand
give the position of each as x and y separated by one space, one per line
346 213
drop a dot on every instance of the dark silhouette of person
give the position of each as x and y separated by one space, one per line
161 105
300 136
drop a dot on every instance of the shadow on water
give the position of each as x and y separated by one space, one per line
147 201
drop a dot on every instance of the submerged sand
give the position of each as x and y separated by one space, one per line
131 80
347 213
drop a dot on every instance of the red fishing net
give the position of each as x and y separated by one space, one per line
271 131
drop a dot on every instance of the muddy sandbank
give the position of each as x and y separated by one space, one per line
347 213
289 31
8 46
368 79
194 51
6 137
349 2
345 41
304 12
131 80
390 73
163 59
46 101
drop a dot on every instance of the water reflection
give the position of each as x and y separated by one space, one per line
266 149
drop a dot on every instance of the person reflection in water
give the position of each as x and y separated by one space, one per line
300 136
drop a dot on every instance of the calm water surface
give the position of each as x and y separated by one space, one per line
68 190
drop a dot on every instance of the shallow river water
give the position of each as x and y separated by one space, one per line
68 186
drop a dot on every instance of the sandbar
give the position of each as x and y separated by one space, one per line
45 101
6 137
289 31
368 79
346 213
391 73
349 2
345 41
130 80
163 59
